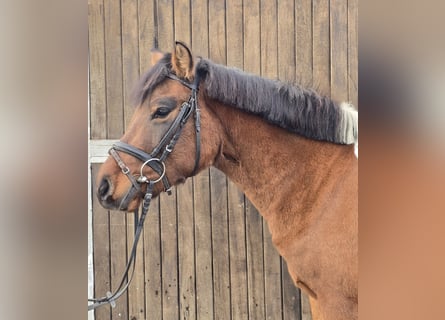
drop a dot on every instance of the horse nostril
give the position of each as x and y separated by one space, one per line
104 188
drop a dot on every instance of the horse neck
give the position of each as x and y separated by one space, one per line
273 166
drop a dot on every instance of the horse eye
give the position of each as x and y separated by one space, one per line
160 112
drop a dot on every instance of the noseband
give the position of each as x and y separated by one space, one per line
156 161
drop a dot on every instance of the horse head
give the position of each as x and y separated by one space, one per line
172 134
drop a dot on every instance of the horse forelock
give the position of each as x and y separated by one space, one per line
151 79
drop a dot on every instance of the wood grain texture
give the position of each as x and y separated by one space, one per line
96 43
220 245
291 296
113 65
306 313
130 54
353 52
186 250
147 32
303 33
238 254
153 262
101 251
203 246
339 49
118 258
286 40
321 46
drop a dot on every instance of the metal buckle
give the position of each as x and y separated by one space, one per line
125 170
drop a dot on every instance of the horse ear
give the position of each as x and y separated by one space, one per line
182 61
156 55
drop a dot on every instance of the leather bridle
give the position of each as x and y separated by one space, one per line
156 161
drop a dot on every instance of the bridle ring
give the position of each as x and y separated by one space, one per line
145 163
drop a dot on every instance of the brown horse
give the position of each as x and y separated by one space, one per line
289 149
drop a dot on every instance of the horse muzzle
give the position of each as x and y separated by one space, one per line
105 194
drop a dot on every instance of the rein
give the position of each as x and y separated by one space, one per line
155 160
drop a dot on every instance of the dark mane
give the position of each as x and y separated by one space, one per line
291 107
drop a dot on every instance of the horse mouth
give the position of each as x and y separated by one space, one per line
121 204
127 202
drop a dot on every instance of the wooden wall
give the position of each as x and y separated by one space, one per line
205 252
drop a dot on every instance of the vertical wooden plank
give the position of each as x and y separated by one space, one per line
118 258
217 31
203 247
218 181
339 50
272 278
113 54
169 226
303 26
201 188
186 236
255 266
186 247
237 244
136 290
152 259
252 38
165 30
130 62
182 21
220 243
353 52
130 54
321 46
169 252
269 39
200 27
305 307
147 32
234 34
254 223
237 247
286 40
101 251
96 44
291 296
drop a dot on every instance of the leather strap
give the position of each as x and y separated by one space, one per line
139 225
